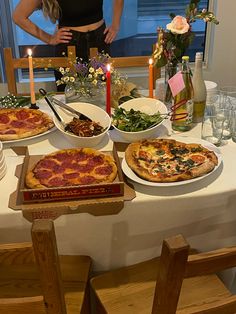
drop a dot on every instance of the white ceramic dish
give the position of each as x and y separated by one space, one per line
149 106
131 175
93 112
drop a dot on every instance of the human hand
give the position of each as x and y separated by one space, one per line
61 35
111 33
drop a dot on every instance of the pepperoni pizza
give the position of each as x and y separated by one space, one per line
168 160
17 123
70 167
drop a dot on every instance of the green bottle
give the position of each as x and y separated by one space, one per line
182 117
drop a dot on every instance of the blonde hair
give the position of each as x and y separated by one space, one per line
51 9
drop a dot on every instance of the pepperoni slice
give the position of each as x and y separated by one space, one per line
56 182
63 156
96 160
87 180
46 163
106 170
43 174
22 114
18 124
34 119
72 175
198 158
80 156
4 119
84 168
59 168
10 132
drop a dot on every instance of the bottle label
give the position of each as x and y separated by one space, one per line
183 111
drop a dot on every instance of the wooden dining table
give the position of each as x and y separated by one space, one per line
203 210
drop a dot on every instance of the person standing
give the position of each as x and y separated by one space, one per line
80 23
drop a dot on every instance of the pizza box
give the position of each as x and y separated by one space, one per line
96 199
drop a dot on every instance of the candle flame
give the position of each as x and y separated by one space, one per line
108 67
150 61
29 52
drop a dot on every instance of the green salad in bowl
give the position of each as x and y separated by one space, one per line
134 120
139 118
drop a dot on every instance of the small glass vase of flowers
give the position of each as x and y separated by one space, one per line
86 81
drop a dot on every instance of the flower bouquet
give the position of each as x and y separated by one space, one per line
176 38
174 41
87 81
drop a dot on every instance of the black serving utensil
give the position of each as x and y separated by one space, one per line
59 118
59 103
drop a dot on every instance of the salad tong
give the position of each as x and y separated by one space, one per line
53 101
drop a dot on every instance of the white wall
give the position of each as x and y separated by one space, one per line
222 58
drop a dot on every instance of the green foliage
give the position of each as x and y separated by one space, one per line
134 120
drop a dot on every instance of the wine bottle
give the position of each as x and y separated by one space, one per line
183 102
199 88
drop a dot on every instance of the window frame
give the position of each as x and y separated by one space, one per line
9 39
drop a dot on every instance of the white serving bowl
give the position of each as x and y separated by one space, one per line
93 112
146 105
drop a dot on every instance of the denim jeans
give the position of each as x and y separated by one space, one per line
83 41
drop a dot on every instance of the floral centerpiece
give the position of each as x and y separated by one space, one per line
176 38
174 41
86 81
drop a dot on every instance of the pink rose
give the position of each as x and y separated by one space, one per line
178 25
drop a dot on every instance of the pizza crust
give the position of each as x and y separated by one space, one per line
180 161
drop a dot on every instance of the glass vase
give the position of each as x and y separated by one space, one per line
170 70
86 92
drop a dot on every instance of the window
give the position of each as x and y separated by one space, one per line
142 16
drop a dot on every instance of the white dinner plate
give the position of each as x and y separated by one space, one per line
131 175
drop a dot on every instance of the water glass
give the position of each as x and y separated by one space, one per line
227 93
212 126
223 121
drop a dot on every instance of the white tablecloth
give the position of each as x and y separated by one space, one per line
203 211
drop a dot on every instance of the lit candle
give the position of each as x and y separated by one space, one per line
151 78
108 91
31 77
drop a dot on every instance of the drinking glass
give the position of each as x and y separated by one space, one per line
224 114
212 126
227 93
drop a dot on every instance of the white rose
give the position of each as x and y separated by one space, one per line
178 25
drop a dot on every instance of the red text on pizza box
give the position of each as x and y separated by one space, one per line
115 188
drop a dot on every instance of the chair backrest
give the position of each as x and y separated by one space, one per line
12 64
176 264
17 261
127 62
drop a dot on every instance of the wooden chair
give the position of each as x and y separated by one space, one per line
12 64
23 266
154 286
136 61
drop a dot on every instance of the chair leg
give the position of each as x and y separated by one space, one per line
86 308
96 306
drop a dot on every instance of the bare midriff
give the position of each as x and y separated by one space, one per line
87 28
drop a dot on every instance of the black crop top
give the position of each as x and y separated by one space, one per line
80 12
